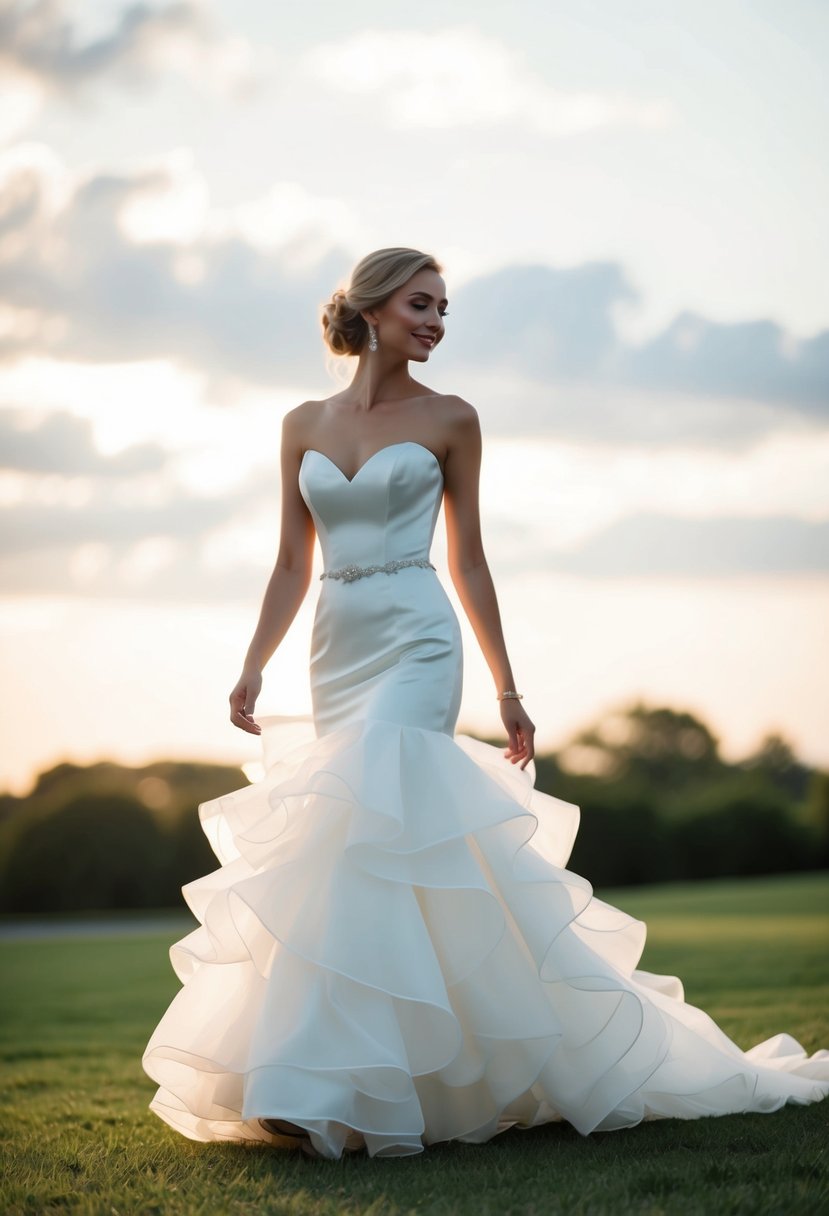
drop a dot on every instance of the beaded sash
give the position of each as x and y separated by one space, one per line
349 573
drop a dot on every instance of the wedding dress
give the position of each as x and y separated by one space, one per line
392 950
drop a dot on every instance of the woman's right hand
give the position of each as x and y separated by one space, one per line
243 699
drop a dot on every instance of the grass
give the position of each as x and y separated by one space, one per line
77 1136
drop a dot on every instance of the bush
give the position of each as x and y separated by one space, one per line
750 834
621 842
97 851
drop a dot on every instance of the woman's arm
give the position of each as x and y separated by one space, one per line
288 583
470 573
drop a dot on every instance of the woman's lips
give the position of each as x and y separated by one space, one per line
426 341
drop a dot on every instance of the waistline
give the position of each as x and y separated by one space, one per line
349 573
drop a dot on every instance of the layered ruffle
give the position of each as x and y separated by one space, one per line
393 953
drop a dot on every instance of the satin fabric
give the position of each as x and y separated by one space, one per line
387 646
392 952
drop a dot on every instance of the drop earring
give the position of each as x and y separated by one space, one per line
372 338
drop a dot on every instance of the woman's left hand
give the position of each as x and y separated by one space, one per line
521 732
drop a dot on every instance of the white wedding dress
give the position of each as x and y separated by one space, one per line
392 952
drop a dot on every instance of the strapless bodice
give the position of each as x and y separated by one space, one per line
387 511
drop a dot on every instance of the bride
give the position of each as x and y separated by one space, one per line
392 952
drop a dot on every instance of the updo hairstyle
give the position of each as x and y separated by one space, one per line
376 277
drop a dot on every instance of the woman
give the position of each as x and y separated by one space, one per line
392 952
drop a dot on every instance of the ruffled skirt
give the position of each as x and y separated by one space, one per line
392 953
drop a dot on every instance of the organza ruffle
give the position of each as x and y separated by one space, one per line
393 953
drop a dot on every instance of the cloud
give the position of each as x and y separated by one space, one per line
536 320
63 443
724 547
459 77
176 572
548 322
41 53
108 516
80 283
87 291
112 527
592 413
44 55
49 527
752 359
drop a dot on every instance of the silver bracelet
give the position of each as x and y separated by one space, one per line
510 696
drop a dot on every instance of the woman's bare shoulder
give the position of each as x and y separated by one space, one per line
303 411
460 414
298 421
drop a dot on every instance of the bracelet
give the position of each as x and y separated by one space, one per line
510 696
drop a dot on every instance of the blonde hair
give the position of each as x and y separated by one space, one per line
375 277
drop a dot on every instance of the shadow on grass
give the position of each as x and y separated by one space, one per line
731 1164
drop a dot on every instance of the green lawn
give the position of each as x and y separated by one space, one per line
77 1135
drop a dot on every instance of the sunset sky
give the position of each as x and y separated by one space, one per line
629 201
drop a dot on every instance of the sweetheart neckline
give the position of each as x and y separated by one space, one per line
400 444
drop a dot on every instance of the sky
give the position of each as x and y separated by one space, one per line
628 200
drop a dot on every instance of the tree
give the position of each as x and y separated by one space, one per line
97 851
817 816
775 758
664 748
750 833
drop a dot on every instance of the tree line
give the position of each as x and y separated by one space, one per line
658 802
661 804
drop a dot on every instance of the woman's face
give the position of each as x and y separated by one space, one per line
411 320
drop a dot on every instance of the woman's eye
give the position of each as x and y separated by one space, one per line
422 306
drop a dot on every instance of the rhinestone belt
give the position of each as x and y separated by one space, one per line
349 573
